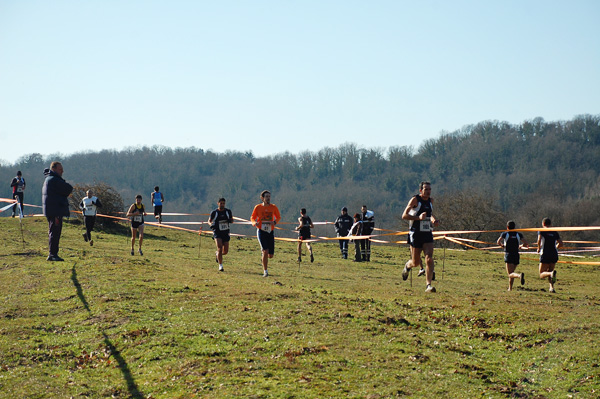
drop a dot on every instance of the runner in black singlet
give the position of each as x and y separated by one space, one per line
137 212
305 224
548 243
511 241
219 221
419 213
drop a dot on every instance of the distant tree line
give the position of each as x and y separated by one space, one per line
481 174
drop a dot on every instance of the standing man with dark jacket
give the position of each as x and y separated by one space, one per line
342 225
18 187
368 218
55 204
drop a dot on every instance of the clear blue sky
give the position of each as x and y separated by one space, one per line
275 76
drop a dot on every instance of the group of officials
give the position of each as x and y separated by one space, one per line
265 216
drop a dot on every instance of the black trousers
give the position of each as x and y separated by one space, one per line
54 232
89 222
365 247
344 247
357 251
17 196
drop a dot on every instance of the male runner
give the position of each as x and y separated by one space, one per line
264 217
219 221
419 213
157 199
548 243
88 206
18 187
511 241
305 224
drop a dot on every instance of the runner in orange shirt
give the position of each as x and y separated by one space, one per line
264 217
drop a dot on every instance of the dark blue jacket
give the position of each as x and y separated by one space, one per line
55 194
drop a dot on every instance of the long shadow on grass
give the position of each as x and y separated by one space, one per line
78 288
131 385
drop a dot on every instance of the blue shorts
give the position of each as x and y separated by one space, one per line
417 239
266 240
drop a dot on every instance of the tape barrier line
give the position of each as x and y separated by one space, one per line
7 206
438 235
12 200
562 253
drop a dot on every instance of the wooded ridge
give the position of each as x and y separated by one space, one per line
522 172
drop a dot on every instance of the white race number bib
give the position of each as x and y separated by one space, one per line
425 225
137 219
223 225
266 227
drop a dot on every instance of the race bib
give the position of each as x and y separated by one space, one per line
223 225
266 227
20 189
137 218
425 225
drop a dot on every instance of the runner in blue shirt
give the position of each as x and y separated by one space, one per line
157 199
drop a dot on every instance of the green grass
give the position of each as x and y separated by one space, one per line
169 325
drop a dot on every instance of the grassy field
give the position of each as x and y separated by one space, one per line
168 325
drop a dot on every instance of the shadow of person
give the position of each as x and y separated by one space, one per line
134 391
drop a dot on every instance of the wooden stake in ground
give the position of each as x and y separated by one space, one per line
199 241
444 258
298 261
21 225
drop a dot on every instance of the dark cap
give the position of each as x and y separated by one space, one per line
19 173
344 209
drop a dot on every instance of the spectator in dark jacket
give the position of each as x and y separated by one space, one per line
342 224
55 203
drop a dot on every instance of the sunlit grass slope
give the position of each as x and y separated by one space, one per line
168 324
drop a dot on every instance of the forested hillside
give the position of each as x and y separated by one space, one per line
495 169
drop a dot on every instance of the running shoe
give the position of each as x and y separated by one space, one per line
221 268
140 251
54 258
421 272
266 274
405 271
522 278
312 258
553 276
132 252
85 237
91 243
430 288
299 259
552 290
